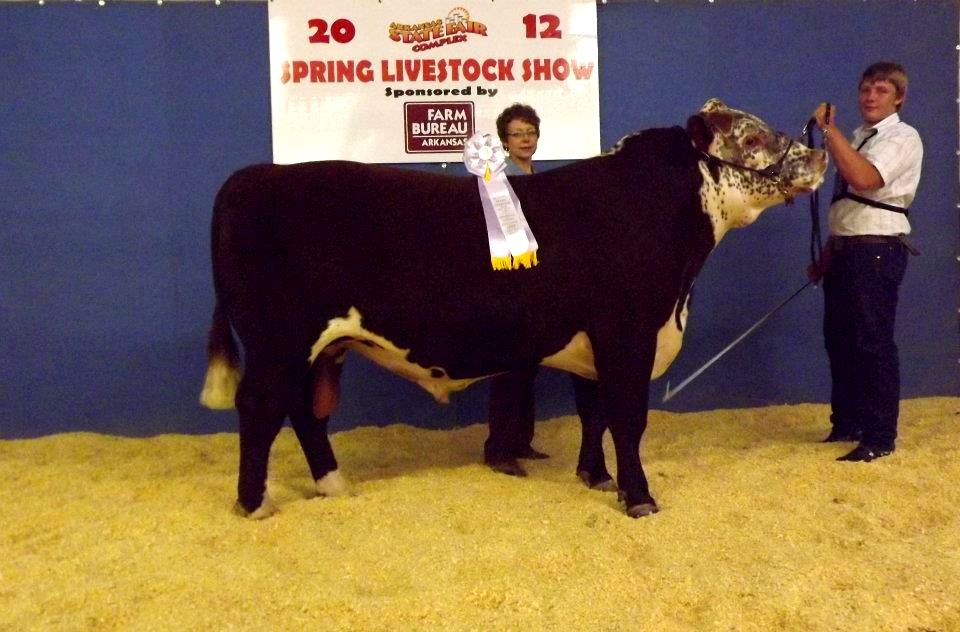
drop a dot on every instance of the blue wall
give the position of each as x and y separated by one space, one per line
120 123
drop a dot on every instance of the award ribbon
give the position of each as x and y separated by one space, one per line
512 244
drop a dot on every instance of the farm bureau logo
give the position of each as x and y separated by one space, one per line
450 30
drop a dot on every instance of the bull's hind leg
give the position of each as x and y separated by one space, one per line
591 465
309 422
264 400
261 416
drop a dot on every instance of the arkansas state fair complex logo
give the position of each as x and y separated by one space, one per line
453 29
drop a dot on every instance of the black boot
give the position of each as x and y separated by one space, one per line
842 434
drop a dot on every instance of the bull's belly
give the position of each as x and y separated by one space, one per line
577 355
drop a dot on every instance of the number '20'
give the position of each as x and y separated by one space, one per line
342 31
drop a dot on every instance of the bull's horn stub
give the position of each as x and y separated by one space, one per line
512 244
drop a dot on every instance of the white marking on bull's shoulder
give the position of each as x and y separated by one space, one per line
220 385
333 484
434 380
669 341
577 355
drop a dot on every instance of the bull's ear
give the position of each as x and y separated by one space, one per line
699 132
720 121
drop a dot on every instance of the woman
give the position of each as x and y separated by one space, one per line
511 394
518 127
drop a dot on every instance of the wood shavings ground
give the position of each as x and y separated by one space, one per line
760 529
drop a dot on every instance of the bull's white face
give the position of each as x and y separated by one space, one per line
735 197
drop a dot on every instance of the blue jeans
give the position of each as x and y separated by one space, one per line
860 291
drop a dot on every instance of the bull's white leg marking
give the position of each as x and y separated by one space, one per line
265 510
383 352
333 484
220 385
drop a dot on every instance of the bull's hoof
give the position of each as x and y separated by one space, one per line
510 467
531 452
600 483
265 510
641 510
608 485
333 484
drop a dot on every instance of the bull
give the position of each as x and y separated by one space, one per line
313 260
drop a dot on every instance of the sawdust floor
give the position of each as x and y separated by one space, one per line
759 529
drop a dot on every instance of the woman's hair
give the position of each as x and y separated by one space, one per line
516 111
887 71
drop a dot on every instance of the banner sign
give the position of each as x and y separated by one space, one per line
399 81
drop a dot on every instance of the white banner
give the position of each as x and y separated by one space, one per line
410 80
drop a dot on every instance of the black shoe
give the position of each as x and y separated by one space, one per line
864 454
836 435
532 453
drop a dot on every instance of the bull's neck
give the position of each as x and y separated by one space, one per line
726 202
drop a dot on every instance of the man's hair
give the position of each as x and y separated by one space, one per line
887 71
516 111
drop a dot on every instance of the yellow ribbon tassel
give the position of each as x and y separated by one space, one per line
526 260
486 173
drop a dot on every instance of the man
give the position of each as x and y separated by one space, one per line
865 259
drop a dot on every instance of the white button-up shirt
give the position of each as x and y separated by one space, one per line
897 153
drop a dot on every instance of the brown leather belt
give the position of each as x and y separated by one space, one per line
837 242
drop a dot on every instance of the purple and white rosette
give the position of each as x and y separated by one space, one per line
512 244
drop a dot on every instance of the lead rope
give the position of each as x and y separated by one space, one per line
816 242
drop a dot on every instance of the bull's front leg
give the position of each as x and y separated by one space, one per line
624 367
591 464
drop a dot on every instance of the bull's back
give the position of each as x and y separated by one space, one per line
314 239
341 207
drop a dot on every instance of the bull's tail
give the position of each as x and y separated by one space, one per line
223 364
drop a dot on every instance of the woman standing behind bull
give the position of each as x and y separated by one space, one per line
512 412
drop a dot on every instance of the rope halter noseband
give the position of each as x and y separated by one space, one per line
773 171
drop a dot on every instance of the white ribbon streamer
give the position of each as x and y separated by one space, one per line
512 244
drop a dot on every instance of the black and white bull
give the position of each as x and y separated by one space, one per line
312 260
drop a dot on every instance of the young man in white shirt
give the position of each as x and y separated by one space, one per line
865 260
